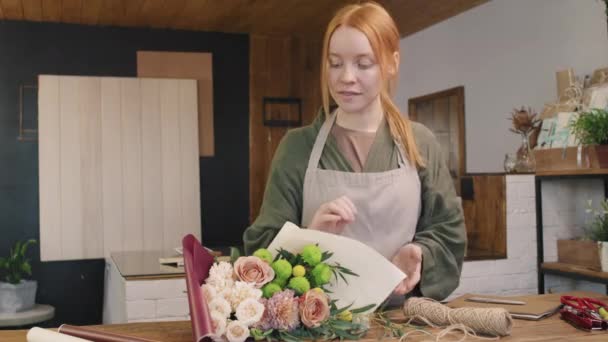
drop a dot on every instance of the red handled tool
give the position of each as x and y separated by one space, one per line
583 313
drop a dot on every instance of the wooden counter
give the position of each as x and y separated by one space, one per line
549 329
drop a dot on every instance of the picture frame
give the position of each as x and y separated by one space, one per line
282 111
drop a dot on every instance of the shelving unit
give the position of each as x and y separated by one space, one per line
556 268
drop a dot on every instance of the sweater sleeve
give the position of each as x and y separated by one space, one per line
441 231
283 194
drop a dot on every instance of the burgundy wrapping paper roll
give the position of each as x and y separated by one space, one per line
197 263
98 336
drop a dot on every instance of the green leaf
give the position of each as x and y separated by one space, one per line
326 255
362 309
17 250
26 245
235 253
26 268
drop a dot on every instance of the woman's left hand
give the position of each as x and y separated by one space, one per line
409 260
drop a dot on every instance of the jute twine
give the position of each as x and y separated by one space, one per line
494 322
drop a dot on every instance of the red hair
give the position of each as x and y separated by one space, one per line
381 31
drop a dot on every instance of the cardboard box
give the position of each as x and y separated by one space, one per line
560 159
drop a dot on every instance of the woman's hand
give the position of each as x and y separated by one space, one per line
409 260
333 216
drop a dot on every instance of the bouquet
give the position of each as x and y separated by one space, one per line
285 297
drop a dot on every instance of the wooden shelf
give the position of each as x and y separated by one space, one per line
574 271
579 172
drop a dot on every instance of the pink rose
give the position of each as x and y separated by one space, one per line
314 308
254 270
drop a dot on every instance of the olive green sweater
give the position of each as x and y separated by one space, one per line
440 231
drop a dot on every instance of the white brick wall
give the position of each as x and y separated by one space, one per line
563 215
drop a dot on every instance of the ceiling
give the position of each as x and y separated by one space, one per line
291 17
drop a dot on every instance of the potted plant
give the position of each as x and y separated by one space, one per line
591 129
16 293
592 250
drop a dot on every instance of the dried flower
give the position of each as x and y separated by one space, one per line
524 121
250 311
254 270
236 331
314 308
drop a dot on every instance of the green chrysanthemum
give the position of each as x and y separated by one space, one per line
299 285
298 271
321 274
311 254
282 269
263 254
270 289
280 282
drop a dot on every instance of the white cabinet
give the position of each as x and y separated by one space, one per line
134 293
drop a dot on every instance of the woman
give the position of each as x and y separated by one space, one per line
363 170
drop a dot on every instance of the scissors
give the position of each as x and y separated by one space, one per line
582 312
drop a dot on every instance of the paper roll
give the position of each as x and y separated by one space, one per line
97 335
36 334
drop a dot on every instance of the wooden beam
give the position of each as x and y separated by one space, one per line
91 11
112 12
132 15
51 10
13 9
32 10
71 11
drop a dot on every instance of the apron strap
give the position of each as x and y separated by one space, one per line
317 149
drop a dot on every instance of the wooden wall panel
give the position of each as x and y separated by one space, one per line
49 167
268 17
130 105
152 164
190 65
486 218
89 106
190 178
119 165
32 10
279 67
112 165
71 192
171 168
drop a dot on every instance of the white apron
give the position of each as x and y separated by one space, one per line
388 203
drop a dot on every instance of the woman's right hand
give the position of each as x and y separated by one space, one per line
333 216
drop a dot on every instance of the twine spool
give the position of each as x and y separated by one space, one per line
487 321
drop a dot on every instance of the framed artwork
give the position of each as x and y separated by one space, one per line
282 111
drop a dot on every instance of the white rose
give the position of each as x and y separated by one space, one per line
221 306
236 331
250 311
218 322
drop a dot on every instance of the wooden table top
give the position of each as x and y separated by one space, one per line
549 329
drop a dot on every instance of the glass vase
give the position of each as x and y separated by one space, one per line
525 157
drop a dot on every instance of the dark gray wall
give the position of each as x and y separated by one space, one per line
75 288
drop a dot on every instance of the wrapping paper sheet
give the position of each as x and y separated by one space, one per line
377 279
197 262
98 336
43 335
